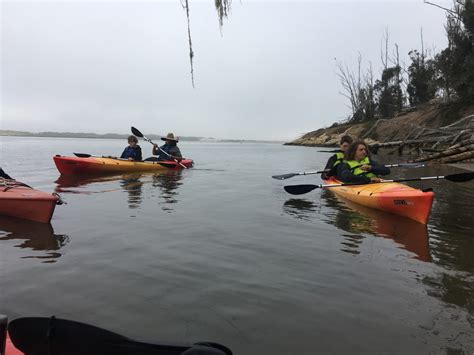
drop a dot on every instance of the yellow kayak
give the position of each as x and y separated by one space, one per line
106 165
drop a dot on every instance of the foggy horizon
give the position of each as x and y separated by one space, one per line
101 67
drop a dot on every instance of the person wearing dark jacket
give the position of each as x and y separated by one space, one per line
133 151
4 175
358 167
169 150
336 159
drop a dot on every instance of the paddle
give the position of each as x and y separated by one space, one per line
290 175
84 155
302 189
54 336
137 133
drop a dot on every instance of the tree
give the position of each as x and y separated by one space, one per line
359 89
389 92
421 79
455 64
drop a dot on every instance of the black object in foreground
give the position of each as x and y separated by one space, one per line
54 336
302 189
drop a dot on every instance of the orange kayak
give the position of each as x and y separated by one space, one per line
106 165
20 200
390 197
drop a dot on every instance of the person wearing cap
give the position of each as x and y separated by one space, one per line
169 150
133 151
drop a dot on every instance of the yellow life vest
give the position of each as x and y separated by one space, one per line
339 158
355 167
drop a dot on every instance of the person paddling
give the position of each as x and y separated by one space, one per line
169 150
337 158
133 151
358 167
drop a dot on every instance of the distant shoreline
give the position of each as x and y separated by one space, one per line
11 133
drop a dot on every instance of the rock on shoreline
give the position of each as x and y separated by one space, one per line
406 126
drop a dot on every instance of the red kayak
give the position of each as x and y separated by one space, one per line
22 201
10 348
110 165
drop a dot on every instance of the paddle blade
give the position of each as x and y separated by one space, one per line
82 155
54 336
284 176
136 132
299 189
463 177
34 336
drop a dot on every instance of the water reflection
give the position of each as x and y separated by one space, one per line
133 186
130 183
354 218
359 220
168 183
33 236
301 208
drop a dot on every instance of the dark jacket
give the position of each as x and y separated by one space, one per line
171 150
345 174
330 166
135 153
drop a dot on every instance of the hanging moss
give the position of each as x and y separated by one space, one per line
223 9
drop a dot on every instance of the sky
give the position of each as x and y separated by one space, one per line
269 74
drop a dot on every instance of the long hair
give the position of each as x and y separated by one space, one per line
350 152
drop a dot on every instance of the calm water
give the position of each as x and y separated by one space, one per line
221 252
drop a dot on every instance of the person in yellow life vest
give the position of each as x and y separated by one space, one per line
358 167
337 158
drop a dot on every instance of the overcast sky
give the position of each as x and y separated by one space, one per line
104 66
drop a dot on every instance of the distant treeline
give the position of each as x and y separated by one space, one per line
154 137
447 76
84 135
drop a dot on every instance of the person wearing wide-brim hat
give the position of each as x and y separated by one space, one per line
169 150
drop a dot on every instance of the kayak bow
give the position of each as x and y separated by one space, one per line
22 201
